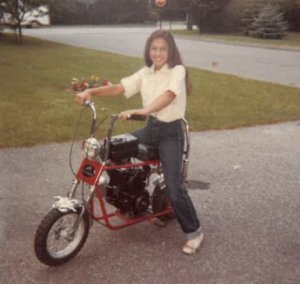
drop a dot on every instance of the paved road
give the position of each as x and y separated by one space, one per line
250 216
262 64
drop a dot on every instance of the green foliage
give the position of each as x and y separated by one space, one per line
172 11
291 10
234 15
153 16
270 23
16 9
58 9
101 12
201 10
250 12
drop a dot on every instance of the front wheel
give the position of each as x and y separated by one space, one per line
54 242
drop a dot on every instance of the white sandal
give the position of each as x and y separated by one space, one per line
193 245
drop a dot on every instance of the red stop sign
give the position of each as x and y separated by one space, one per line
160 3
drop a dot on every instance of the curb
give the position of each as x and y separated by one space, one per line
284 48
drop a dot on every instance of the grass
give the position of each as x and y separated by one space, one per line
292 40
36 106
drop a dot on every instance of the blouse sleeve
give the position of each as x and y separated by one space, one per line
132 84
177 81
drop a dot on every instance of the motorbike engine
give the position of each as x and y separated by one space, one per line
127 190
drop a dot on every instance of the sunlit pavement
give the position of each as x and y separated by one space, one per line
250 216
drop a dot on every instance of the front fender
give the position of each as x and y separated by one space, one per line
65 204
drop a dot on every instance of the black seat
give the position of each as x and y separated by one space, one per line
147 152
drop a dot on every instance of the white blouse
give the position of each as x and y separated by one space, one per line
151 84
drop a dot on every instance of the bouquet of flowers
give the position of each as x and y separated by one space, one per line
82 84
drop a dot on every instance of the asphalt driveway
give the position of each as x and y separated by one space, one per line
250 216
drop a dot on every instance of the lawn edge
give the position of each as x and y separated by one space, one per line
2 148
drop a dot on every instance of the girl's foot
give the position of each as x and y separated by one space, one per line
193 245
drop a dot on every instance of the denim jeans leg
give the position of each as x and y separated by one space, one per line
143 135
168 137
170 152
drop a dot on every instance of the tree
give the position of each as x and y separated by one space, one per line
250 13
291 9
251 9
270 23
59 10
100 12
16 9
1 14
199 11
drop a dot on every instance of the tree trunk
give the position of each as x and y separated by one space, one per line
189 22
20 34
202 28
200 24
16 34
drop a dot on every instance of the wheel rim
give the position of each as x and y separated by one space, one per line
58 244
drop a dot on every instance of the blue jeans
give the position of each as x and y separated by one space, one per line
168 137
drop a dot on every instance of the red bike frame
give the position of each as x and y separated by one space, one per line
100 167
93 181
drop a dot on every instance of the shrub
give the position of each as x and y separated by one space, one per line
270 23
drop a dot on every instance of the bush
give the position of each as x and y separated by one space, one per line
250 13
270 23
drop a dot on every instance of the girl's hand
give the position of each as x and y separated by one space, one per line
126 114
82 97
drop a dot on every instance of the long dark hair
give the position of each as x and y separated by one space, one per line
174 57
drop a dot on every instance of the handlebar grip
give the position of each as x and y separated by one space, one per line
86 102
137 117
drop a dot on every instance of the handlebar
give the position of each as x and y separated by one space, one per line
89 104
115 117
137 117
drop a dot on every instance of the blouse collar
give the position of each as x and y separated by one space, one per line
164 69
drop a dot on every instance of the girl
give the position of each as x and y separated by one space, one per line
163 84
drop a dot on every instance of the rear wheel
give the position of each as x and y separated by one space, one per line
54 242
160 203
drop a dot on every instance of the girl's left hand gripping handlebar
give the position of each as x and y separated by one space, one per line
137 117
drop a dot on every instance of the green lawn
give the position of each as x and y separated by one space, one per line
292 40
37 107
